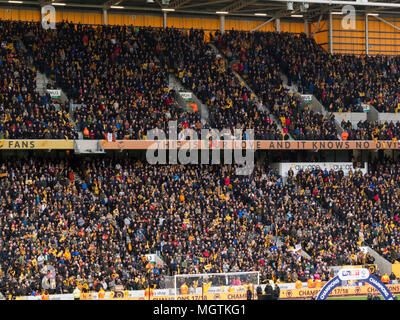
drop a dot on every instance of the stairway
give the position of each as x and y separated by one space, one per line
175 84
317 106
262 107
293 88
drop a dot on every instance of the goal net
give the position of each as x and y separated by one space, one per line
215 283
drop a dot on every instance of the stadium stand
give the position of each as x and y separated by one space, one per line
201 219
111 72
94 218
230 103
370 130
26 113
340 82
254 55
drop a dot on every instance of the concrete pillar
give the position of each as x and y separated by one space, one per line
278 25
306 27
222 23
105 18
330 33
165 20
366 35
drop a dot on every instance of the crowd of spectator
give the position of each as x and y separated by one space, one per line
231 105
117 77
372 130
257 57
113 76
341 82
94 220
24 112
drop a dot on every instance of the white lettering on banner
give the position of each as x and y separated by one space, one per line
353 274
186 95
366 107
161 292
303 166
381 287
306 97
328 288
54 93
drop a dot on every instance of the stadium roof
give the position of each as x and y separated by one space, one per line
245 8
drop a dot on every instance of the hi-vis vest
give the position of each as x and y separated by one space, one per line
385 278
184 289
310 283
101 294
298 284
45 296
148 292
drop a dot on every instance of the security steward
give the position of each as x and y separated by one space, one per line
101 293
385 279
184 289
45 295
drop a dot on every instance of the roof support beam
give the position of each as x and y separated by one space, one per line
387 22
317 26
330 33
366 35
108 4
159 3
259 26
199 4
175 4
237 5
354 3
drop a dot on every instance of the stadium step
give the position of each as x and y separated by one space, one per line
383 265
262 107
317 106
292 89
175 84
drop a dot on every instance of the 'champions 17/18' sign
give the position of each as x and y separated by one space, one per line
354 274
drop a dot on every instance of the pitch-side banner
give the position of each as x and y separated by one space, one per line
337 292
249 144
163 294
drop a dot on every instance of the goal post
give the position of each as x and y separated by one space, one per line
204 283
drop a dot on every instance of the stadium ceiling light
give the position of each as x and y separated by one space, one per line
336 12
116 7
168 9
373 14
260 14
58 4
14 1
297 15
221 12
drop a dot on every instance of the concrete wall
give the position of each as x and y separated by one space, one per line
353 117
389 117
383 265
88 146
317 106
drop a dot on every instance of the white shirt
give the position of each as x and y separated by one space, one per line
77 293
